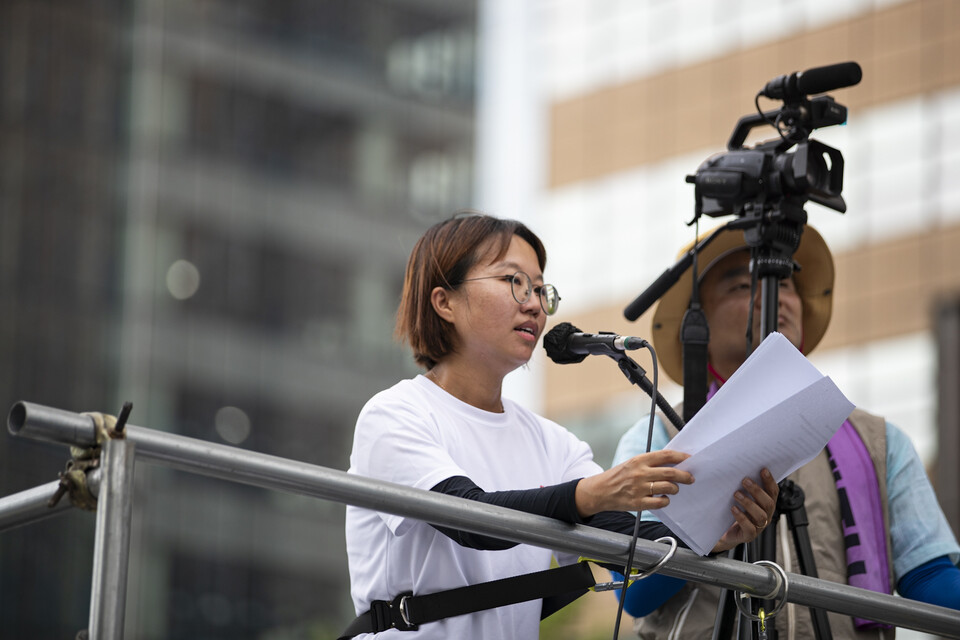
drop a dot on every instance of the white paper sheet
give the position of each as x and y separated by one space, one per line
777 411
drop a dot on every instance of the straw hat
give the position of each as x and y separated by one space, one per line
814 283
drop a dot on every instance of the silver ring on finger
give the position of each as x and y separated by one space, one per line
651 489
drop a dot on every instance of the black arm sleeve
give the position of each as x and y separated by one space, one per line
556 501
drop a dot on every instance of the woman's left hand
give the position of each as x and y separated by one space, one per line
752 513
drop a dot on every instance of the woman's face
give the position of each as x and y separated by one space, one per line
495 331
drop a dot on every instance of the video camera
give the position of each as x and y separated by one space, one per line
748 181
767 186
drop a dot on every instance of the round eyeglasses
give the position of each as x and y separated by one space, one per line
522 287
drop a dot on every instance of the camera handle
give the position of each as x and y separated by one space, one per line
801 118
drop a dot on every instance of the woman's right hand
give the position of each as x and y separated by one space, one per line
643 482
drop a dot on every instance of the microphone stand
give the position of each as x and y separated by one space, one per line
636 375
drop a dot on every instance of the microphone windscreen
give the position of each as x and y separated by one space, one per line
555 344
834 76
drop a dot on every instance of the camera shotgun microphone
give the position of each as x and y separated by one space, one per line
565 344
796 85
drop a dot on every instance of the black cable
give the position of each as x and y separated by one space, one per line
753 297
694 272
636 524
775 123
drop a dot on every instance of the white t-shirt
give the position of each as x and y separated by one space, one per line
416 434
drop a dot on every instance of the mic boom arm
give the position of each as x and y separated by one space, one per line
638 376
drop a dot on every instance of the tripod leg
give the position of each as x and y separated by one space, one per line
727 616
727 621
792 502
801 540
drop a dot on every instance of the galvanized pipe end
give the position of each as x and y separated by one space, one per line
16 418
38 422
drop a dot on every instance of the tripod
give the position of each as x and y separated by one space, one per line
773 239
766 187
773 235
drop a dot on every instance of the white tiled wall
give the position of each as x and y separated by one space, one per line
591 43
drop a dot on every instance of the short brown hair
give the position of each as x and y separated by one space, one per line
442 258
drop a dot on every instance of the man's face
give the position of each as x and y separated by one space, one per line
725 295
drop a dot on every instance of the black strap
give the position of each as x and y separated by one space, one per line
694 336
559 586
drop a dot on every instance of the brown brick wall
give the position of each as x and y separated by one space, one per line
904 50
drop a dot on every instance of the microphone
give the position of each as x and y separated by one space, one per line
796 85
565 344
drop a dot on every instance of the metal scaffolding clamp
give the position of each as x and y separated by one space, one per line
73 479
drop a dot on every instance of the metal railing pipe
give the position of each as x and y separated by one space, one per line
111 547
271 472
38 422
30 505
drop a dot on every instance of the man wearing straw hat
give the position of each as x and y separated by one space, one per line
872 513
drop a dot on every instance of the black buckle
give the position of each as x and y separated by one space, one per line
392 615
